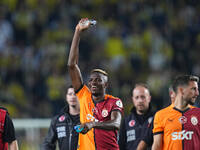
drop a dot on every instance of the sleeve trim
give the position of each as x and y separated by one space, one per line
79 88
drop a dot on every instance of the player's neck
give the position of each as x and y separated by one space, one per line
74 110
180 104
98 98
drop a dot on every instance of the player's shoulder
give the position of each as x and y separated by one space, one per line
3 109
195 109
83 88
112 98
114 101
163 111
83 93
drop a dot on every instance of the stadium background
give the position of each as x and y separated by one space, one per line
134 41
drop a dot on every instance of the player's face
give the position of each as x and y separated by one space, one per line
97 84
141 99
191 92
71 97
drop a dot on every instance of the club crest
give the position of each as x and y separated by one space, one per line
104 113
131 123
119 103
194 120
61 118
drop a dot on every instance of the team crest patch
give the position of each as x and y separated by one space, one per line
104 113
194 120
119 104
131 123
183 119
61 118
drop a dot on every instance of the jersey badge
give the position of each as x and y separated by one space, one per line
183 119
61 118
194 120
119 103
131 123
104 113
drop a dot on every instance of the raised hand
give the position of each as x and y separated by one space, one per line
83 24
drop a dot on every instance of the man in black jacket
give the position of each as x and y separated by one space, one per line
135 125
62 125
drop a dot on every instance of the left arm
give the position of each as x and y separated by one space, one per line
13 145
112 124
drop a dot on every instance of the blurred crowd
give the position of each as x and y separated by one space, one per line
134 41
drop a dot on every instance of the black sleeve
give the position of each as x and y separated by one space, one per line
148 137
9 130
122 136
50 140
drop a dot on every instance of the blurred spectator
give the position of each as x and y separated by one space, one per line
137 39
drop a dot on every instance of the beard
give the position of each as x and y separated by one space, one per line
191 102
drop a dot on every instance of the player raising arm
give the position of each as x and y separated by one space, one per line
100 113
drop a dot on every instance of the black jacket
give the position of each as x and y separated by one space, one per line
62 130
133 129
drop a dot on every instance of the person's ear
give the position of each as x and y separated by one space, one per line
149 98
181 90
106 84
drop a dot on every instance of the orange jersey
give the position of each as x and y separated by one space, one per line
96 138
180 129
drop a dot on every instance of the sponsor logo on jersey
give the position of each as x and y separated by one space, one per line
194 120
104 113
61 131
119 103
183 135
131 123
61 118
183 119
91 118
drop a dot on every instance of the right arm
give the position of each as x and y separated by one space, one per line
157 142
158 131
74 70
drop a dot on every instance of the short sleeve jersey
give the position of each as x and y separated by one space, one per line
98 139
180 129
